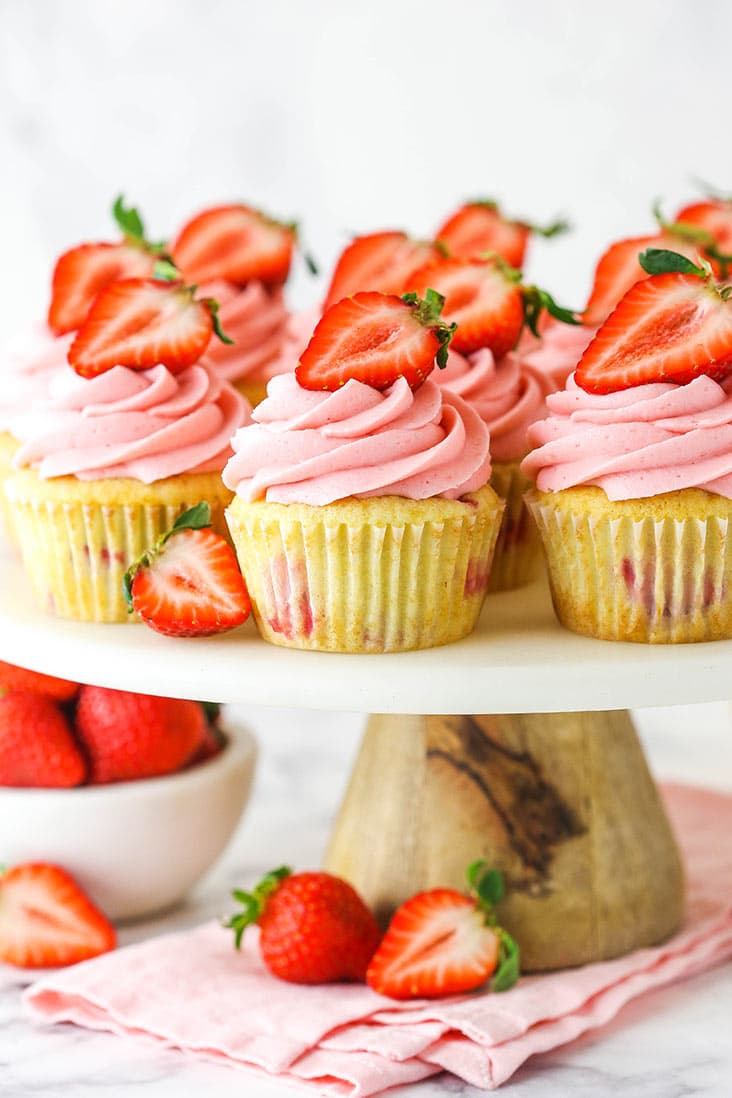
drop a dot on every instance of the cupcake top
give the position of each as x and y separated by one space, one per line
554 355
255 318
637 442
31 364
316 447
507 395
144 424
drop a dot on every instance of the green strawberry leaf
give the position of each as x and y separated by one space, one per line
663 261
166 271
129 220
509 962
195 518
213 307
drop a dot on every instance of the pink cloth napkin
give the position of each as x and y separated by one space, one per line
192 991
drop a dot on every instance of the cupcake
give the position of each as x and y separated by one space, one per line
633 467
241 258
363 518
108 461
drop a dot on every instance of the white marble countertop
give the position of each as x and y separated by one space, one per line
675 1043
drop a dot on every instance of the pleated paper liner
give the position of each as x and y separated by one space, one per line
8 448
376 575
656 570
518 556
78 538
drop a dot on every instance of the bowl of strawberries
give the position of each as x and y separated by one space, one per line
135 796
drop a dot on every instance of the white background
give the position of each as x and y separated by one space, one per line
354 116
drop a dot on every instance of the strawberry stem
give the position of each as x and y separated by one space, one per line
213 307
254 902
536 300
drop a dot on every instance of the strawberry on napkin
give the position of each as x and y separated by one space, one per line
186 990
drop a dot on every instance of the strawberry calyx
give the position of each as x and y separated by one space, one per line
694 234
197 517
428 311
535 299
166 271
487 888
664 261
130 222
554 228
254 902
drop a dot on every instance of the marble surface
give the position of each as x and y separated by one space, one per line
675 1043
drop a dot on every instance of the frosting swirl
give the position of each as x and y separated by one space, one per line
553 357
256 319
32 363
144 424
318 447
507 396
638 442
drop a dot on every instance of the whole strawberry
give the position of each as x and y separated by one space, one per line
33 682
36 744
128 736
315 928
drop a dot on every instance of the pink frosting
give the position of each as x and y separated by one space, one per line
638 442
506 394
317 447
554 357
256 319
145 424
30 365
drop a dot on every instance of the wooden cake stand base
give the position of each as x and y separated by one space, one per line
562 803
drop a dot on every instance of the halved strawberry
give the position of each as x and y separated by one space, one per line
619 269
141 322
189 584
236 243
376 338
82 272
712 217
672 326
46 920
378 261
444 943
479 227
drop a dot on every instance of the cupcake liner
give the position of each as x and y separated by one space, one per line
376 575
518 556
78 538
8 448
654 570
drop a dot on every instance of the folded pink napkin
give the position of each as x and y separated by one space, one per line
193 991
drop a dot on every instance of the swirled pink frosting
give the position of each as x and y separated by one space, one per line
553 357
638 442
31 363
256 319
506 394
318 447
145 424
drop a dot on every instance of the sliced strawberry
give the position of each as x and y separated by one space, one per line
81 273
375 338
479 227
46 920
672 326
482 297
378 261
189 584
141 322
714 217
443 943
236 243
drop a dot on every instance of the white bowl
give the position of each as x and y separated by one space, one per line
134 847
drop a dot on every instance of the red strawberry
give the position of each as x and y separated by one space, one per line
141 322
36 744
128 736
619 269
33 682
189 584
236 243
713 217
315 928
443 943
378 261
375 338
673 326
46 920
482 297
479 227
82 272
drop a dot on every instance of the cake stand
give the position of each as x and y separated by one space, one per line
514 745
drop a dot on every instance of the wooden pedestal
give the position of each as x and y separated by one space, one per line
562 803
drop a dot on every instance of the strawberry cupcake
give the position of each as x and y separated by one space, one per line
111 458
242 258
633 466
363 518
